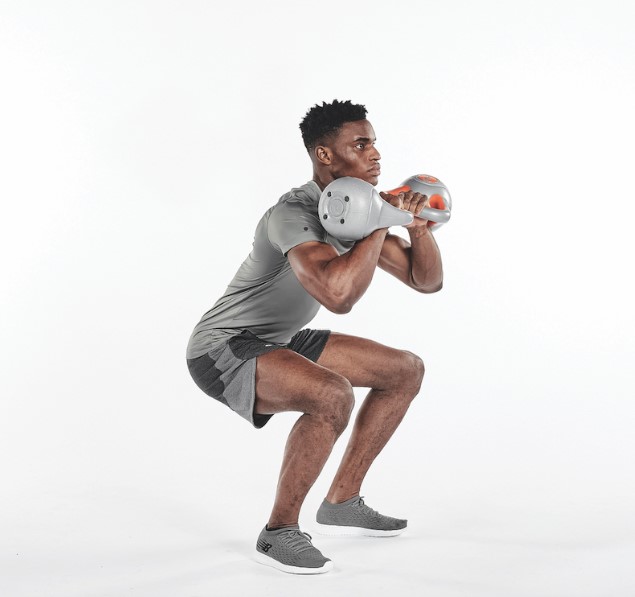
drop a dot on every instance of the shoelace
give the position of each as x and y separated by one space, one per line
362 504
298 540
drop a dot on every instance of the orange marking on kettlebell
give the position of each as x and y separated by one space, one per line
427 178
437 202
398 190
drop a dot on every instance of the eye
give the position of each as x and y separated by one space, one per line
360 145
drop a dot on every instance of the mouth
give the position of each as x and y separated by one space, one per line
376 171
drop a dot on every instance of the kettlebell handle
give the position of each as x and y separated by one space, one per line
439 216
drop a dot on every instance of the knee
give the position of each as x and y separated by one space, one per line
411 372
337 402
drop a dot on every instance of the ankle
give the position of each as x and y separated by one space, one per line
274 527
280 523
340 497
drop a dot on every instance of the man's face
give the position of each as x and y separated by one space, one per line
354 153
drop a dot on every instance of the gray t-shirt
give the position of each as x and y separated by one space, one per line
265 296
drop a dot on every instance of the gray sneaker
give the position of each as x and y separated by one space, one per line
354 517
290 550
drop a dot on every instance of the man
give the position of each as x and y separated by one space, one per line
248 352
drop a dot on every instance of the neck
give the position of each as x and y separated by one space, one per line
322 179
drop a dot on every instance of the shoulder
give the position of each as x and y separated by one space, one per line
304 198
308 194
298 202
294 219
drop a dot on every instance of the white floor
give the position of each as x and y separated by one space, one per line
181 519
165 547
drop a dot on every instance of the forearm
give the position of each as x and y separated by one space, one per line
426 268
349 276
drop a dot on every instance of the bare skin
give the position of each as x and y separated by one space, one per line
323 391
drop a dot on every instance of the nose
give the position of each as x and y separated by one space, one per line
375 155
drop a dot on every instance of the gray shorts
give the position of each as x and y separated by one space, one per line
228 372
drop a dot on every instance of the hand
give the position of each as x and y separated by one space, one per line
409 201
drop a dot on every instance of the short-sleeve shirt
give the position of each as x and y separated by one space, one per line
265 295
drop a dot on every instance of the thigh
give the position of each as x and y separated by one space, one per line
287 381
366 363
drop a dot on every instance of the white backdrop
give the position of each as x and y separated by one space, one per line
140 142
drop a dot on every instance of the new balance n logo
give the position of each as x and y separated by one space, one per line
262 544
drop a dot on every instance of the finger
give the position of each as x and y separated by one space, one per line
407 200
418 201
387 197
394 200
420 197
422 201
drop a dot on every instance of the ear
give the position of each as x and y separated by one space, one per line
323 155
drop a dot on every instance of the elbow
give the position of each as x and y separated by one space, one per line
339 303
428 288
431 290
339 310
343 309
340 307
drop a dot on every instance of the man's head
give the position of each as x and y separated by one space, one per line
340 142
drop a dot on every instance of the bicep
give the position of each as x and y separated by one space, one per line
309 262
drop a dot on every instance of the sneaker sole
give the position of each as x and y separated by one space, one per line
334 529
261 558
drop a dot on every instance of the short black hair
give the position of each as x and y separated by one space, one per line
321 122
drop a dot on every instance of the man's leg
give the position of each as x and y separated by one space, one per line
286 381
394 377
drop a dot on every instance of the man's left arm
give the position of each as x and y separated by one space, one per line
416 263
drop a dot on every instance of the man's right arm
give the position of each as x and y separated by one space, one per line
337 281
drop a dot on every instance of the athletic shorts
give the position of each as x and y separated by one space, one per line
228 372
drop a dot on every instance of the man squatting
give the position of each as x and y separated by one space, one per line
250 351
